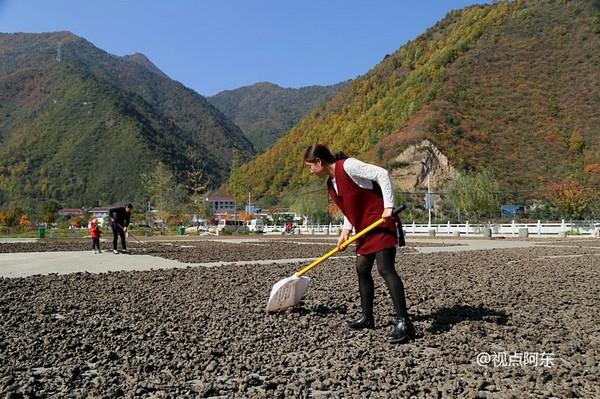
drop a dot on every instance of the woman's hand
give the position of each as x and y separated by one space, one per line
343 238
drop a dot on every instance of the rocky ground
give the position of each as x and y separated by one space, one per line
198 251
204 332
580 243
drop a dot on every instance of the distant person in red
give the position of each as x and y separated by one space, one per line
119 221
364 194
95 233
289 228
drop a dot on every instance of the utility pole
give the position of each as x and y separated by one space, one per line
428 199
148 214
429 202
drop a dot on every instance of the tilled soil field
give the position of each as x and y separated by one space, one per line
583 243
204 332
196 251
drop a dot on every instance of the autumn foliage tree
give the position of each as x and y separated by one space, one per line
570 197
24 222
10 217
245 217
593 170
75 222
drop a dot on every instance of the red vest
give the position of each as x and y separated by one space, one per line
362 207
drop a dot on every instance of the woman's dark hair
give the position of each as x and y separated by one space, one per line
319 151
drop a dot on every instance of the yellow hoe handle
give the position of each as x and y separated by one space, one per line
348 241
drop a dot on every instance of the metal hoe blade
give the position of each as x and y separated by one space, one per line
287 293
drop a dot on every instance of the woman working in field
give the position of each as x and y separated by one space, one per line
363 192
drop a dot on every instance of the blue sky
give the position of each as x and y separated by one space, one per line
216 45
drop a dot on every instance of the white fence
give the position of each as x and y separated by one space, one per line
512 229
539 228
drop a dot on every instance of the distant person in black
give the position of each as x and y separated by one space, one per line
119 220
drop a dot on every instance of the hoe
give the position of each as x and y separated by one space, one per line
289 291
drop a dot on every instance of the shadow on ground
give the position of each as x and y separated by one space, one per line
320 309
444 319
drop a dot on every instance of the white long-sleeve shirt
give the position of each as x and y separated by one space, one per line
363 174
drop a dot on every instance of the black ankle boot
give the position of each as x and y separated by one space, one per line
363 322
403 331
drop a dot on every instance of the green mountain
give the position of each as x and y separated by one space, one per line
142 60
512 87
265 112
80 125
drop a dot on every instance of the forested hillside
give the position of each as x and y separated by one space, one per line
80 126
511 87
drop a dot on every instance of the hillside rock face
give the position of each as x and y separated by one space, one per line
81 126
410 168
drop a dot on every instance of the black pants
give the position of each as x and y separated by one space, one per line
96 243
386 260
118 232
